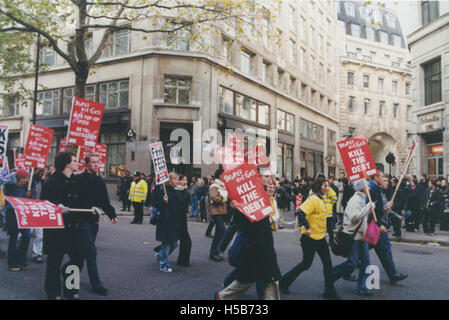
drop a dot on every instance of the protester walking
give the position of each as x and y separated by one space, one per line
312 219
217 210
355 221
183 200
62 188
166 228
138 195
93 195
17 250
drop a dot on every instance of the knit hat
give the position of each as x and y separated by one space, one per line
22 173
359 185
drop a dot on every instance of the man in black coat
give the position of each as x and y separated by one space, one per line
123 190
62 189
93 194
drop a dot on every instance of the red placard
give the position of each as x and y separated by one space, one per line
258 156
85 122
20 162
229 158
63 145
101 150
32 213
298 201
357 158
245 186
38 146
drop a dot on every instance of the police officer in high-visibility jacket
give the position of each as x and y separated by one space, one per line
329 199
137 195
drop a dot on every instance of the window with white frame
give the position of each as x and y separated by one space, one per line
351 78
381 108
226 50
119 43
179 40
380 85
407 88
177 90
67 97
383 37
90 92
47 55
351 104
391 21
366 81
115 94
246 62
13 107
350 9
396 110
394 87
367 106
48 102
226 100
266 72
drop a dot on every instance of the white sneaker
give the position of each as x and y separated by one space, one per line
166 269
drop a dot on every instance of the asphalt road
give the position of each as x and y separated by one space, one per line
129 269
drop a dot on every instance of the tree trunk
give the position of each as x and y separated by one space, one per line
80 81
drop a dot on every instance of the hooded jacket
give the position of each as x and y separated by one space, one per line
356 211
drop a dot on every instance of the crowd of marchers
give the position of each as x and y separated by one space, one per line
326 205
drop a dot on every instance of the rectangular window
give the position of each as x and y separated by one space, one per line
13 107
292 51
351 78
394 87
246 62
177 90
246 107
67 97
115 94
47 56
280 124
370 34
396 110
226 50
367 106
407 88
226 100
397 41
265 72
355 30
365 81
292 19
264 114
383 37
350 9
292 88
429 11
119 43
432 82
179 40
116 144
409 113
351 104
380 85
290 123
90 93
391 21
48 102
382 109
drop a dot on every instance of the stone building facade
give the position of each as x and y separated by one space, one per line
375 82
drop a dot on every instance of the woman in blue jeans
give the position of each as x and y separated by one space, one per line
167 226
355 220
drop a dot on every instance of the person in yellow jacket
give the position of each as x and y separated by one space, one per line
329 199
137 195
312 219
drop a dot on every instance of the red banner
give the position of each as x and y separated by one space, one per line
298 201
357 158
85 122
245 186
258 156
32 213
38 146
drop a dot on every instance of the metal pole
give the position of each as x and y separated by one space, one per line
36 78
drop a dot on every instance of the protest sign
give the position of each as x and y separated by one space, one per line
101 150
3 140
298 202
32 213
85 122
63 145
258 156
245 186
20 162
38 146
357 158
159 164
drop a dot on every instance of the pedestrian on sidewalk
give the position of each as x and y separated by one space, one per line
37 233
138 195
166 229
444 225
93 194
185 242
17 250
202 193
312 219
217 209
355 220
123 190
431 207
193 190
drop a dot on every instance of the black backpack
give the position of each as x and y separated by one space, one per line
342 244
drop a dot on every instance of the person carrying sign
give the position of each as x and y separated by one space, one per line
62 189
17 253
138 195
93 194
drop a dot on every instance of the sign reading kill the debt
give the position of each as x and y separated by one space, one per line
159 164
357 158
85 122
32 213
245 186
